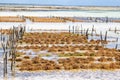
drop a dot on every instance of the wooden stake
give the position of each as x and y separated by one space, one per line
87 33
69 29
106 36
81 30
116 46
73 30
92 30
117 40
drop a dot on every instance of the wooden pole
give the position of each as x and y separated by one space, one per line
87 33
73 30
117 40
106 36
78 30
101 38
92 30
69 29
10 43
115 30
81 30
116 46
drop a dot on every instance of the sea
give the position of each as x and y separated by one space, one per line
64 13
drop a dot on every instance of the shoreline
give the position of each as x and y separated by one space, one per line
56 8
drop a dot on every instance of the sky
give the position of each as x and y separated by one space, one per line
67 2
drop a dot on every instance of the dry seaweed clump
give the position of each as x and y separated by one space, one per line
103 59
75 63
90 55
105 66
87 63
45 19
11 19
117 58
53 19
38 64
71 63
5 31
26 57
53 38
18 59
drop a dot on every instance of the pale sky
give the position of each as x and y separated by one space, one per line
67 2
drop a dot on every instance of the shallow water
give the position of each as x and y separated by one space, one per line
64 13
66 75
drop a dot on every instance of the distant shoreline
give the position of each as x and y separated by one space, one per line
23 7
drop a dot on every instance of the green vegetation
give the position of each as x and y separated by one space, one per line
70 54
92 54
43 55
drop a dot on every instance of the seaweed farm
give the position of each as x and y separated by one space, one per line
59 47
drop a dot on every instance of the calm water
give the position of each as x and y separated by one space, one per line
67 13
